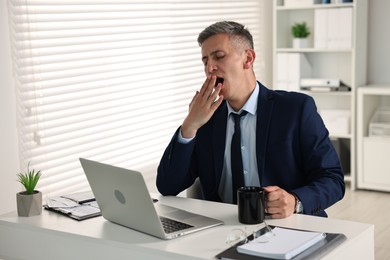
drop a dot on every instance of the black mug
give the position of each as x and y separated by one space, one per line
251 205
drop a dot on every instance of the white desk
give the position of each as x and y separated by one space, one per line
52 236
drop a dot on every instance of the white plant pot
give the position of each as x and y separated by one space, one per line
300 43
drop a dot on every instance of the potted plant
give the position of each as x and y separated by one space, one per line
300 32
29 202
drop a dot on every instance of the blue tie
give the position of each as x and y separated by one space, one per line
236 156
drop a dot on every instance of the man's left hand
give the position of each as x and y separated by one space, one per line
279 203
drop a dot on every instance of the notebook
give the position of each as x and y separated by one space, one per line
285 244
316 251
124 199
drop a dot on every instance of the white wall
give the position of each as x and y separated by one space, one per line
378 42
9 161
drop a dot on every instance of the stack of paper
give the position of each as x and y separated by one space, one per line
285 244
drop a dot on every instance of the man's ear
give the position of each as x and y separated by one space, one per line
250 56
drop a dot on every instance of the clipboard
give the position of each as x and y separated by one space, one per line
318 250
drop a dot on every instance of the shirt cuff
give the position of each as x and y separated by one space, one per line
183 140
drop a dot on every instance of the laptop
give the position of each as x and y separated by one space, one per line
124 199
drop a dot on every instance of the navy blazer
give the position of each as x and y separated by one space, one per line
293 151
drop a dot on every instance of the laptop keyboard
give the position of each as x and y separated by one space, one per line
171 225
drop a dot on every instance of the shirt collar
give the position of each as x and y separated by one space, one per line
250 106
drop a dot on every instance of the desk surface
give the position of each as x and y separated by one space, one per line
59 237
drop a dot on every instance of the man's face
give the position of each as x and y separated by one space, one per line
225 60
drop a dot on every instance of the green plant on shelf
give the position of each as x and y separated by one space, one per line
300 30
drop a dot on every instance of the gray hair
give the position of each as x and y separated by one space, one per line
233 29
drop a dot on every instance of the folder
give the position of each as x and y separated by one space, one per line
298 67
333 23
320 28
284 244
318 250
295 3
291 67
282 69
333 28
345 27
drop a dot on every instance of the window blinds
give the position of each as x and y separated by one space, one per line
108 80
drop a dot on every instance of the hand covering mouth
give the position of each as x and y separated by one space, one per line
219 80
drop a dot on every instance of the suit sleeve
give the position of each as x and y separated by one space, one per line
173 172
324 176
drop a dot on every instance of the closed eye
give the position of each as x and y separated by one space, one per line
218 57
204 60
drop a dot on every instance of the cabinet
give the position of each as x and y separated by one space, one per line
330 56
373 148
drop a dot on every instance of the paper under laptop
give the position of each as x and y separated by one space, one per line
124 199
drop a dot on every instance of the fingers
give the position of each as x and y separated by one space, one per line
202 107
280 203
208 86
209 94
217 102
193 99
271 188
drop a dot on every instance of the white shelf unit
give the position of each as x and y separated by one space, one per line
346 64
373 151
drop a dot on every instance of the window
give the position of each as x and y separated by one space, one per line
109 80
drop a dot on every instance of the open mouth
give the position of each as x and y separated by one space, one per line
219 80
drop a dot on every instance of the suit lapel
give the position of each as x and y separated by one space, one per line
264 113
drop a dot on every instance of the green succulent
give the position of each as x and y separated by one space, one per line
29 179
300 30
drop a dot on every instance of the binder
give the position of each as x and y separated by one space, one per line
334 35
318 250
291 67
333 28
345 27
320 28
282 69
298 67
294 3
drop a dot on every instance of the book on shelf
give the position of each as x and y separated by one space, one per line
79 206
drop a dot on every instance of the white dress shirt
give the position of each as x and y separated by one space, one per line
248 147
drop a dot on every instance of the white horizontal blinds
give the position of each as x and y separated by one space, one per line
107 80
